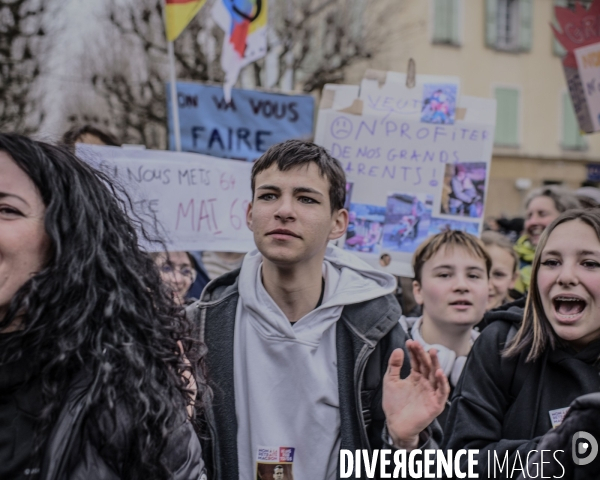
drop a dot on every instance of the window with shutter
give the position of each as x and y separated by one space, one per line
507 117
509 25
557 48
446 21
571 135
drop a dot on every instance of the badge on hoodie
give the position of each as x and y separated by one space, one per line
557 416
275 463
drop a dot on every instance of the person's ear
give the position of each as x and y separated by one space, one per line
339 224
249 216
417 292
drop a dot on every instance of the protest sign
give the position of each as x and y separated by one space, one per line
588 63
579 33
189 201
242 129
409 177
431 100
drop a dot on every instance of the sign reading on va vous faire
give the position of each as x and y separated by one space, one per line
242 129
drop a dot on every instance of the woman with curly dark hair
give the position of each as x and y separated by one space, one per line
93 379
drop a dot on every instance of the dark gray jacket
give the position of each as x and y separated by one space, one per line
557 444
366 335
72 453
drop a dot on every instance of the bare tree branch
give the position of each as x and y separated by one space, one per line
314 42
21 62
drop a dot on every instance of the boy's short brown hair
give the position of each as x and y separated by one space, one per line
449 238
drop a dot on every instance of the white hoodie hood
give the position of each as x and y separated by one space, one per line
286 391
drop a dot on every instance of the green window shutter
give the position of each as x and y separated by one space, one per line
571 136
454 22
557 48
507 117
525 24
491 27
441 25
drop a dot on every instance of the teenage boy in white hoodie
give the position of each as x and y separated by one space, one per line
451 276
304 346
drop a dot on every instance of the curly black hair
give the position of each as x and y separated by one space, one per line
98 305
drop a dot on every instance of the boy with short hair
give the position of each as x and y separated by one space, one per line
304 346
451 274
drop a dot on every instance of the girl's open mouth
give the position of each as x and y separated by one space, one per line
568 308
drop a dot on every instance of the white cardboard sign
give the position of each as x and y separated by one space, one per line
190 201
408 177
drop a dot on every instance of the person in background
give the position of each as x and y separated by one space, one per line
178 271
220 263
90 135
505 264
451 284
542 206
527 367
94 383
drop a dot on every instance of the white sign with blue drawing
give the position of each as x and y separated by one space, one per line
412 173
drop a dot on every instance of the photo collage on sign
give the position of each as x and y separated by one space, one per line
399 226
439 103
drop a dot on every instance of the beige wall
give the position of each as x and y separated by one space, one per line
538 74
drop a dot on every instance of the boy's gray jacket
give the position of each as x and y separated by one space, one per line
366 335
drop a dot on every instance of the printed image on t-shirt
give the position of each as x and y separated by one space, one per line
275 463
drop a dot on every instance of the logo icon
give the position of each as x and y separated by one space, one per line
586 450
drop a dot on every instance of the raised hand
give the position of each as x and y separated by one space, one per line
410 405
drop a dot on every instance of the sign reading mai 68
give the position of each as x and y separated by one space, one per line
242 129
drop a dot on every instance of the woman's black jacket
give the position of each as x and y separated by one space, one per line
71 454
502 406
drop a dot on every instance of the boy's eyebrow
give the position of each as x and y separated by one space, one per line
296 190
306 190
268 187
474 267
443 266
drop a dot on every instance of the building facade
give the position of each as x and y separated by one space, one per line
502 49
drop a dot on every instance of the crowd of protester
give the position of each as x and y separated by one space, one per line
119 364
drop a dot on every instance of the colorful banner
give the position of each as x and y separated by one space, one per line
189 201
242 129
245 25
178 13
578 32
412 173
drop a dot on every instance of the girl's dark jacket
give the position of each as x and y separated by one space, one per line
502 406
584 415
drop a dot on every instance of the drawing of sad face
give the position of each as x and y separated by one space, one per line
341 128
